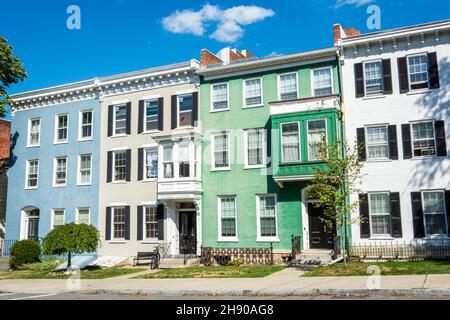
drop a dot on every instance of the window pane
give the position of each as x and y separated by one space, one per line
119 223
255 144
58 218
288 86
35 131
228 216
151 164
373 77
168 162
379 203
61 171
316 132
85 169
381 225
151 222
433 202
62 128
121 119
86 124
220 96
267 216
435 224
423 139
253 92
183 160
377 142
186 103
120 163
418 69
290 142
33 167
151 115
322 82
221 150
83 216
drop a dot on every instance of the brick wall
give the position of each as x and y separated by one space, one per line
5 129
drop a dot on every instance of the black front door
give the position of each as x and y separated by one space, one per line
320 236
188 232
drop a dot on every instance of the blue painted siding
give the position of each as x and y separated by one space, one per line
46 197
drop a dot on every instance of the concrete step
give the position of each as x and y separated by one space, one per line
174 263
4 264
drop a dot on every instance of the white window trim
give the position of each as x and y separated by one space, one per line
409 76
221 238
424 214
260 238
55 138
114 120
113 239
27 172
312 79
144 121
264 161
144 233
178 111
80 125
299 142
382 78
307 136
114 166
29 145
412 139
52 222
145 163
367 144
54 171
77 214
211 107
79 170
213 159
279 83
244 97
379 214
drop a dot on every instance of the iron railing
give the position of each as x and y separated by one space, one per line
188 248
250 256
296 246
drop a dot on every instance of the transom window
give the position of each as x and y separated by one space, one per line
288 86
227 206
120 164
219 96
185 106
151 222
423 139
118 223
255 147
221 150
151 115
373 76
168 161
32 173
323 82
60 171
253 92
86 124
61 128
151 164
120 120
434 212
35 129
58 218
267 216
83 216
317 131
379 209
418 71
377 142
290 142
85 169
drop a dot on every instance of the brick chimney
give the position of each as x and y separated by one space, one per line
225 56
207 58
5 130
247 53
340 33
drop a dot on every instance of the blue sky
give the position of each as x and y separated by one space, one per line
124 35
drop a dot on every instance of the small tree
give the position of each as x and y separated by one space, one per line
333 184
71 238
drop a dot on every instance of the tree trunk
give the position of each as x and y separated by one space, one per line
69 261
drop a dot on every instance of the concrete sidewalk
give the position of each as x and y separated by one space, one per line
284 283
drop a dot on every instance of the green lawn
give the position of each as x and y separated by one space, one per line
387 268
215 272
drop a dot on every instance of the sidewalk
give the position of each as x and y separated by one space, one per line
283 283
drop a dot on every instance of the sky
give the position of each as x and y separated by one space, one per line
117 36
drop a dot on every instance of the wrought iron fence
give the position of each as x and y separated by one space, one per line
418 249
250 256
296 245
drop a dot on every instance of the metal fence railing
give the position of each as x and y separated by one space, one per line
250 256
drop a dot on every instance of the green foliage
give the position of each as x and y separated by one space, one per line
23 252
11 71
41 266
236 262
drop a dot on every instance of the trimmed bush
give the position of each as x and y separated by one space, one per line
23 252
41 266
236 262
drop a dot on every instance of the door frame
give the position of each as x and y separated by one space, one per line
305 217
194 219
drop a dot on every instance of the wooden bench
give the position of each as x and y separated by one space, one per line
152 258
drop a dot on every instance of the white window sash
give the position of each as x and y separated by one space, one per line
213 150
258 221
212 97
297 141
244 90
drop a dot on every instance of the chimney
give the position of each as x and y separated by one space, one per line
341 33
247 53
5 130
207 58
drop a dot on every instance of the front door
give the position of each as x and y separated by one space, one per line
188 232
320 236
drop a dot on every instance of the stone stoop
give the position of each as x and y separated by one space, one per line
178 262
311 259
4 264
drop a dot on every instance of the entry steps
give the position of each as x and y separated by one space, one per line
4 264
178 261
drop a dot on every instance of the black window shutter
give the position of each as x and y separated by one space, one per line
109 167
194 108
417 213
141 116
406 138
160 218
127 222
359 80
161 114
128 167
140 222
392 138
447 206
433 71
361 141
441 145
403 75
174 112
108 224
110 120
396 216
387 77
140 164
128 129
364 225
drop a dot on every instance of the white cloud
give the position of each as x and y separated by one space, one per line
357 3
230 21
273 54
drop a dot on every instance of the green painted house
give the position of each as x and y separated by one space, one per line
261 121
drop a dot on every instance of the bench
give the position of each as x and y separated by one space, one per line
152 258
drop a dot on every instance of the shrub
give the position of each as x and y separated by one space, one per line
41 266
23 252
236 262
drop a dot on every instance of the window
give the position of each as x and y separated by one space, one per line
219 96
151 115
185 106
323 82
151 164
118 229
32 173
377 142
253 92
83 215
373 75
183 160
120 119
255 141
62 122
85 168
267 215
60 171
227 209
434 212
317 131
168 162
423 139
58 218
290 143
220 150
86 124
418 71
34 132
288 86
380 220
120 165
150 222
